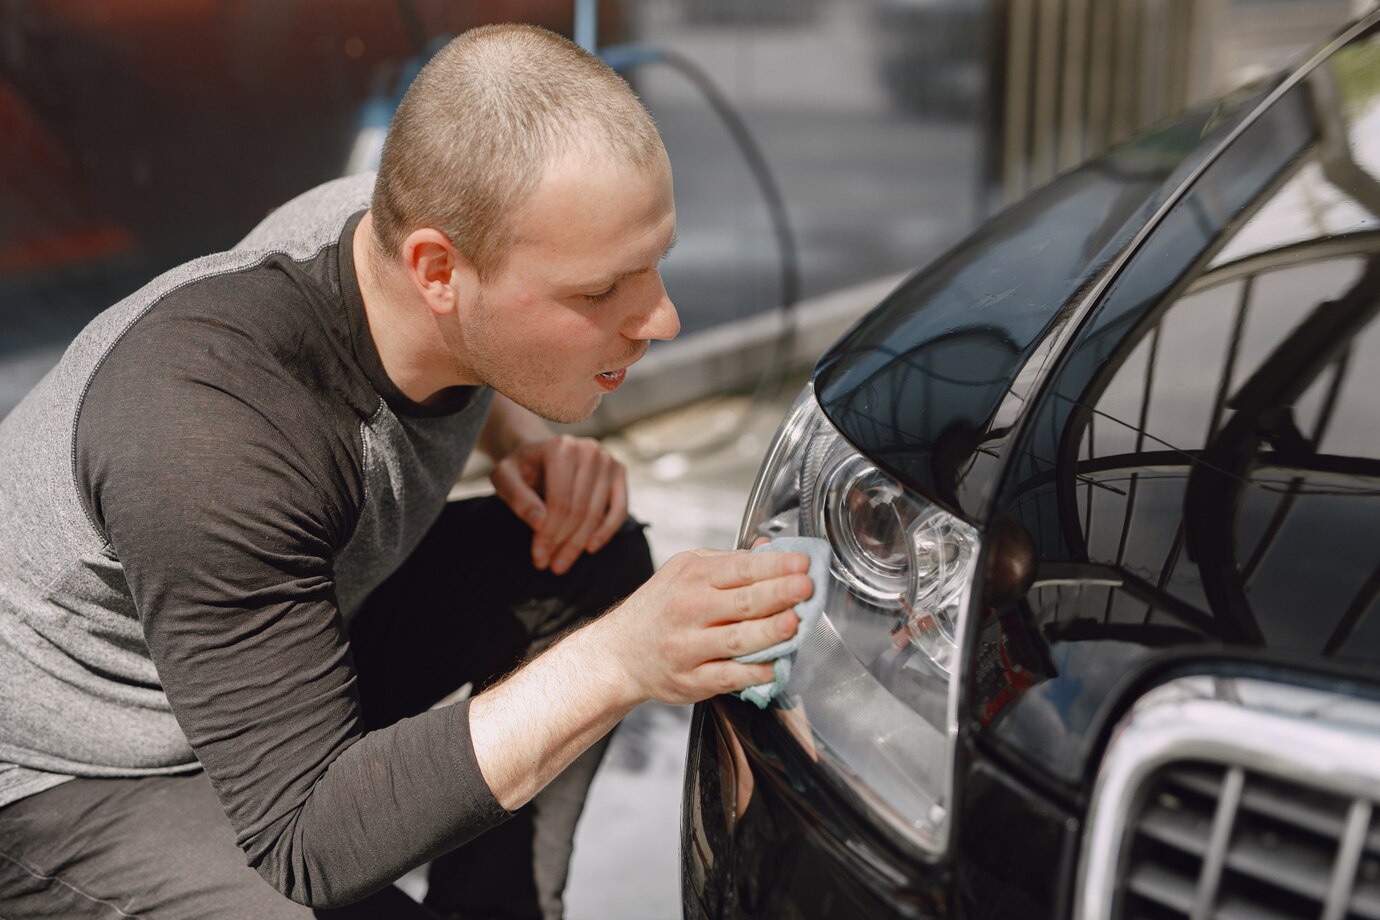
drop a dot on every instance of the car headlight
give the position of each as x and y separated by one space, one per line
873 690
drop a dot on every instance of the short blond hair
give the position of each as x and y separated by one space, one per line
477 128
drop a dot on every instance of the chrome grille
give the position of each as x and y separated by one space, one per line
1236 798
1217 841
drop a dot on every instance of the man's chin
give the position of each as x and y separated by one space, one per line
562 414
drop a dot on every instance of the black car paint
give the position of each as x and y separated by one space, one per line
801 847
1105 263
1185 580
918 382
798 847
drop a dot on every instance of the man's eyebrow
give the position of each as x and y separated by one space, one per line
638 271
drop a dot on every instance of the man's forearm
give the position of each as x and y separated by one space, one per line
671 640
530 727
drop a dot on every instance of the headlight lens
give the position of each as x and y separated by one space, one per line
859 513
874 684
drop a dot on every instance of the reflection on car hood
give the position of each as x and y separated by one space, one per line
917 384
1174 403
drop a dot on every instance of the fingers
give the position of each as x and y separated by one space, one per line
676 636
590 501
585 501
746 636
512 486
745 568
565 483
616 514
762 599
729 676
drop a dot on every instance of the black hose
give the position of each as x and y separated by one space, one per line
757 164
624 57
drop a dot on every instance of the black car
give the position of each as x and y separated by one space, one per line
1103 490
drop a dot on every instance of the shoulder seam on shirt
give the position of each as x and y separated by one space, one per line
363 470
263 256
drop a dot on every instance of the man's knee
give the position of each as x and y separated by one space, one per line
595 583
153 847
618 569
627 559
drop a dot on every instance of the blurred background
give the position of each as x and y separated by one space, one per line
822 149
136 135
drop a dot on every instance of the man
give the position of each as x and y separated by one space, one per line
202 505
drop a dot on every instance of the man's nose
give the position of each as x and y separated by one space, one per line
659 322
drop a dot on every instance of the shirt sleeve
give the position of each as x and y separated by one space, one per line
224 490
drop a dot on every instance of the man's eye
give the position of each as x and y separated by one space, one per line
602 295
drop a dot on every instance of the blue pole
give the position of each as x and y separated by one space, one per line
587 24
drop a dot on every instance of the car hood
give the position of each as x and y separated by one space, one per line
930 382
1156 383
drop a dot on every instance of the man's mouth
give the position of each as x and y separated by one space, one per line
610 380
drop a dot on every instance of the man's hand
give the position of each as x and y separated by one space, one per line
570 491
678 633
672 640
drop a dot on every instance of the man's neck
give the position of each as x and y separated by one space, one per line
404 338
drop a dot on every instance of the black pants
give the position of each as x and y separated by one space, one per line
467 607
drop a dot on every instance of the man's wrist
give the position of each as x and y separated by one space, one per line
509 428
602 647
533 724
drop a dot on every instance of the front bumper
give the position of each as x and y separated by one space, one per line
765 835
762 835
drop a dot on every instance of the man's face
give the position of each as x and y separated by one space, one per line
580 294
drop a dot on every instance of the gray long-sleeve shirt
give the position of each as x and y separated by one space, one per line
192 503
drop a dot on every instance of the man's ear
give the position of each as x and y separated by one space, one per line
439 272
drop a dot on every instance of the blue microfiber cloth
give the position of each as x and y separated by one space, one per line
783 653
